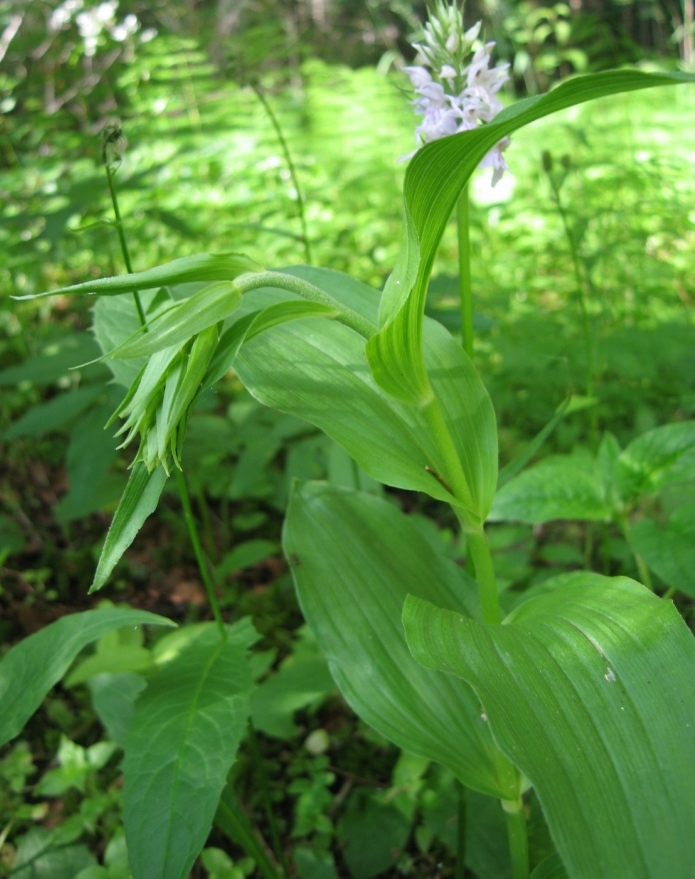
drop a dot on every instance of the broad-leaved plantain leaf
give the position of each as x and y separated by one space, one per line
590 691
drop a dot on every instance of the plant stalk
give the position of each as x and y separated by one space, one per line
198 550
293 171
124 243
485 577
465 283
518 837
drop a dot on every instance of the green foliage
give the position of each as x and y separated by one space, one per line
521 703
612 645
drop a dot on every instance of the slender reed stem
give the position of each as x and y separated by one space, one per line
465 285
518 837
275 838
293 171
198 549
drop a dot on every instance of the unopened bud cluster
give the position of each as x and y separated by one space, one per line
456 92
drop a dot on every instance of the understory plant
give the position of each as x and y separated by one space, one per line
584 692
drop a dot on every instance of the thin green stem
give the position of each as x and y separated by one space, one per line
124 243
275 838
198 549
465 284
455 480
294 284
293 171
644 572
460 868
518 837
453 477
485 577
583 306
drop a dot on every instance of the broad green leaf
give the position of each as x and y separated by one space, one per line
560 487
180 322
373 834
41 856
660 457
54 413
54 363
182 741
434 181
256 323
670 551
115 320
590 691
551 868
32 667
138 501
201 267
113 700
318 371
354 558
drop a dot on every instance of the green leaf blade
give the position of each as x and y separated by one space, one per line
590 691
354 558
435 178
139 500
32 667
201 267
180 746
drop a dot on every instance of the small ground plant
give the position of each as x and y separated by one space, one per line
574 700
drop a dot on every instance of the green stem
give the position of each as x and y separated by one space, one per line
583 306
198 549
124 243
465 285
485 577
455 480
293 171
644 573
460 868
282 281
518 837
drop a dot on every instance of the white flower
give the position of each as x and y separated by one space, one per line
460 97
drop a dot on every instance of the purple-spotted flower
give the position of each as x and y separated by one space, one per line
456 92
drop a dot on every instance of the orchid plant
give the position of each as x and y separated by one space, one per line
584 691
